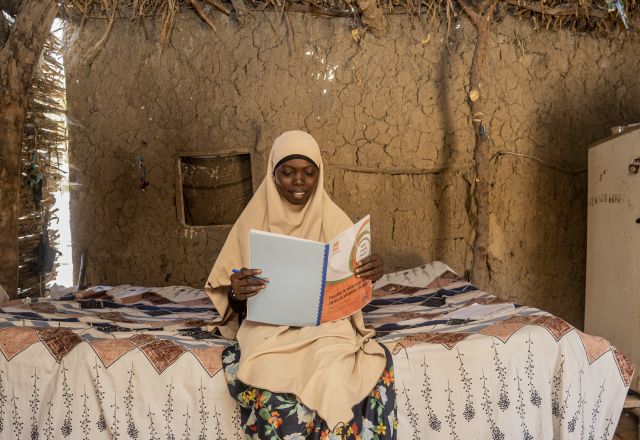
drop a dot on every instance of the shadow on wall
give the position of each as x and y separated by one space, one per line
443 79
395 260
452 224
554 244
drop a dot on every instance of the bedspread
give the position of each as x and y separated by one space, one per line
136 362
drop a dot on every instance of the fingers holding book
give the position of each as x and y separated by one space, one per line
246 283
369 268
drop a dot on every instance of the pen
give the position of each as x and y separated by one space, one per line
264 280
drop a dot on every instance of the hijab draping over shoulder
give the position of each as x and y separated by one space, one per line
330 367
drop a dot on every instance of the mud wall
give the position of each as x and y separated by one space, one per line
377 107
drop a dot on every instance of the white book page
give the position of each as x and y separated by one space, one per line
294 268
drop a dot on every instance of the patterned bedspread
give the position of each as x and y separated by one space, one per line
135 362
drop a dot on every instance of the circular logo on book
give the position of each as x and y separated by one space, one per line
346 251
361 246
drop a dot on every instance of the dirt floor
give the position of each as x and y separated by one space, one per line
377 107
627 427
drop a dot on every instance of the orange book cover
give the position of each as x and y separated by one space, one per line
344 294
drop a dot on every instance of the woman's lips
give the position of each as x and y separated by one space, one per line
298 194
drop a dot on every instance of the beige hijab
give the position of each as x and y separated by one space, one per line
330 367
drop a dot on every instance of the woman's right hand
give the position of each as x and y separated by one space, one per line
245 285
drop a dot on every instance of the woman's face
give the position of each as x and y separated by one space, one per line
296 180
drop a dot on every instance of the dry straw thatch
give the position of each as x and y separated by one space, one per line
601 17
43 152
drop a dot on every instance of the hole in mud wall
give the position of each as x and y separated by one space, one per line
215 189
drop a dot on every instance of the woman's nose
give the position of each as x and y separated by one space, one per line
298 179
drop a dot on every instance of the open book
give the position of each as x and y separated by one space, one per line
309 282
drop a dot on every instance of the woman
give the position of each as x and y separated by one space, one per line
329 381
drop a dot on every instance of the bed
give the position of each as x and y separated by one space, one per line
137 362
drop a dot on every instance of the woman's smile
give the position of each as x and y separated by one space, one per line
299 194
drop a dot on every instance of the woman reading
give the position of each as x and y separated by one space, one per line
329 381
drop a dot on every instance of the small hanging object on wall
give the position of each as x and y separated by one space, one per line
483 131
36 180
143 174
634 167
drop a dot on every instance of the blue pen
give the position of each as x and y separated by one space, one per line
264 280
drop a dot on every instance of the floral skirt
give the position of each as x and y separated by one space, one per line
266 415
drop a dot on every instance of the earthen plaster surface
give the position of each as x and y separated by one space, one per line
386 103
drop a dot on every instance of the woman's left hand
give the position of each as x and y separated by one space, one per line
369 268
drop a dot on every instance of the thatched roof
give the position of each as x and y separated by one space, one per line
601 17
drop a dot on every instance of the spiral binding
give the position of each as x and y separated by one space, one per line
324 282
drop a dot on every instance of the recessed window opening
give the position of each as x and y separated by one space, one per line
213 189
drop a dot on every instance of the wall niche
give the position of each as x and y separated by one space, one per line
212 190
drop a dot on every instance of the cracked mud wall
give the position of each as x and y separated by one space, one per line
377 108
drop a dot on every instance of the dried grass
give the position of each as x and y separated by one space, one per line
44 143
591 16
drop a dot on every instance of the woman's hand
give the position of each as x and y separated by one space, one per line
369 268
245 284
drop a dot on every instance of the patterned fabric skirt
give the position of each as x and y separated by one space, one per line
266 415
